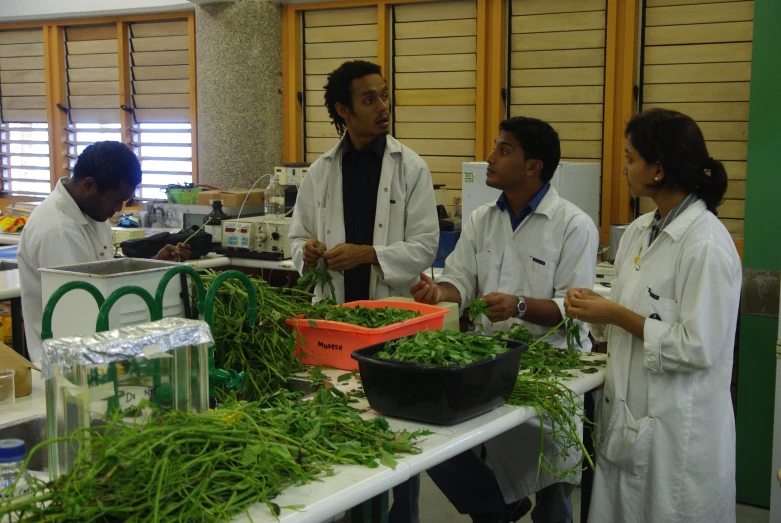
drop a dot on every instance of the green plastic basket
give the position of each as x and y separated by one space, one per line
184 196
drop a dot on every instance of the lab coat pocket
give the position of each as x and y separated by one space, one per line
483 261
659 308
539 278
627 442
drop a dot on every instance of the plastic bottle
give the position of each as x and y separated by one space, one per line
12 454
215 219
275 198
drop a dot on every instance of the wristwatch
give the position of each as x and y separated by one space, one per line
521 307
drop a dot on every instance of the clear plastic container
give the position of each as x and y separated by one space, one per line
275 198
130 372
12 453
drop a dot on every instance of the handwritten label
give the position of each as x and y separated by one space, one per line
329 346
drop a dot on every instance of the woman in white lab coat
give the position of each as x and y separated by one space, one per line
666 438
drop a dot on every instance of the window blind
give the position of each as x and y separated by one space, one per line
697 60
24 137
92 72
434 82
557 70
160 76
331 37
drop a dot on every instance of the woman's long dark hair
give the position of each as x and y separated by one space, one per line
676 142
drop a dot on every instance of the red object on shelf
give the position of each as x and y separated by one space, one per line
332 343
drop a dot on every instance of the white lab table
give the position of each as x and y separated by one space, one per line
10 238
354 484
9 285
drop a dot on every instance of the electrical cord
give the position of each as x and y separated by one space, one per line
236 223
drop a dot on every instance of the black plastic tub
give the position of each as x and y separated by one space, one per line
438 395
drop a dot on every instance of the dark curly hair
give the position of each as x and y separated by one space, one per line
339 88
109 164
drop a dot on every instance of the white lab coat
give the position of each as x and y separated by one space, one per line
406 227
57 233
666 444
552 250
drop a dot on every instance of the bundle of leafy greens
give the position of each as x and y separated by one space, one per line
210 466
362 316
263 347
443 348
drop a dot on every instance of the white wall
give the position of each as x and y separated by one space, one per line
26 10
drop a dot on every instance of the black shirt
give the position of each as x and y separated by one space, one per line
360 182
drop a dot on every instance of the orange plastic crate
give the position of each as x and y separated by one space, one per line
331 343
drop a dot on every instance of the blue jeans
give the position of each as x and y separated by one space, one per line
406 497
553 504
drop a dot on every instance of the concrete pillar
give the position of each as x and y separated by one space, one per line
239 68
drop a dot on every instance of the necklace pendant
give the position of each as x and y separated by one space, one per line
637 267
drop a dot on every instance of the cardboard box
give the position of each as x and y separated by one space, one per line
232 197
10 359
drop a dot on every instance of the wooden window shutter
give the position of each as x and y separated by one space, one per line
557 70
92 70
22 83
160 62
331 37
24 136
434 85
697 60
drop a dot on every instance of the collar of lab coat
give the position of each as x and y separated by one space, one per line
547 205
392 146
67 204
680 225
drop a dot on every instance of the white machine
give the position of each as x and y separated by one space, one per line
291 175
265 235
579 183
77 311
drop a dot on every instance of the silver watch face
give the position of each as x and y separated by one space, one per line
521 306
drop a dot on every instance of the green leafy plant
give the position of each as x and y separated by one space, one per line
262 347
362 316
544 360
318 274
211 466
443 348
476 308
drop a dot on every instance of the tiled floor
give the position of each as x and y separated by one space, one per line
435 508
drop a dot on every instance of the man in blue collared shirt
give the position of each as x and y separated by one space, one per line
516 219
519 255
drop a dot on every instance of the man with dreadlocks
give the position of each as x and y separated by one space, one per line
367 205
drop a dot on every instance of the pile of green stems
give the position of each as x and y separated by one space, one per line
263 347
181 466
543 360
552 399
361 316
